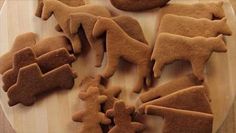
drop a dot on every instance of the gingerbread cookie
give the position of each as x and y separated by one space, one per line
31 83
87 22
122 119
209 10
171 87
41 47
192 27
138 5
182 121
91 117
193 99
62 13
20 42
120 45
196 50
46 62
72 3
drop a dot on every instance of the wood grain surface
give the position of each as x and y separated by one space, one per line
229 125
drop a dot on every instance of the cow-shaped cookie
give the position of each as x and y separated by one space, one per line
182 121
197 51
62 13
209 10
31 83
192 27
119 45
91 117
21 41
87 22
46 62
122 119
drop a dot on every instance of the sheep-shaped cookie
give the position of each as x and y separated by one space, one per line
62 12
119 45
196 50
91 117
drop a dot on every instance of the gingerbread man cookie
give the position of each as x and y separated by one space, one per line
122 119
91 117
119 45
196 50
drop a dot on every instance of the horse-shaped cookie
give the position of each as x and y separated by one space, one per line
119 45
197 51
192 27
122 119
91 117
182 121
62 13
46 62
31 83
87 22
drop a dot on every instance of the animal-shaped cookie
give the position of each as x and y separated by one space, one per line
138 5
119 45
62 12
193 99
122 119
182 121
46 62
21 41
192 27
209 10
91 117
87 22
31 83
41 47
196 50
73 3
171 87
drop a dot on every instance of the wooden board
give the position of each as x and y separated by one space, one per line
53 113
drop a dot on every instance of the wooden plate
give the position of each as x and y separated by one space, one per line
52 114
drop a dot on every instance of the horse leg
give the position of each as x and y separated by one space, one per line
112 63
158 65
198 68
76 43
99 52
58 28
142 73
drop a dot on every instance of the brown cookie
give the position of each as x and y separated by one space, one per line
138 5
182 121
112 93
209 10
119 45
31 83
46 62
170 87
192 27
193 99
196 50
91 117
62 13
20 42
87 22
41 47
72 3
122 119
